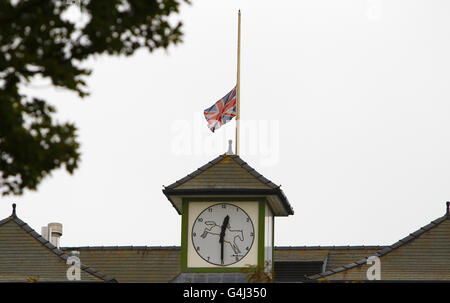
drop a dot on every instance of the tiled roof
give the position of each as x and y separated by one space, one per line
443 251
218 159
334 259
330 256
20 245
226 174
133 263
162 263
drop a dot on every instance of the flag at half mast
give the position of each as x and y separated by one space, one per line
222 111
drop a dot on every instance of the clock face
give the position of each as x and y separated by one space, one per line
223 234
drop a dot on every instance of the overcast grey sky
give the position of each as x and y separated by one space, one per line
346 103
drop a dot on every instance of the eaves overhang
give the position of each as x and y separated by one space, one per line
276 199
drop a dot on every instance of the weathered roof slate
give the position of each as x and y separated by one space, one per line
217 160
22 249
133 263
162 263
394 247
226 175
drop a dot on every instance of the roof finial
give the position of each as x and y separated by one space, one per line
230 147
14 210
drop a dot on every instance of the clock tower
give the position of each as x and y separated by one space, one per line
227 211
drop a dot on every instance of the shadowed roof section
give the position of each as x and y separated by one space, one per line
330 256
228 175
27 256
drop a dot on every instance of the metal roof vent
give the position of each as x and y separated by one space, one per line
52 233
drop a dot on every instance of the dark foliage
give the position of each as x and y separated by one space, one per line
35 40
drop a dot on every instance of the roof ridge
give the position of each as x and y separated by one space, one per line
384 251
47 244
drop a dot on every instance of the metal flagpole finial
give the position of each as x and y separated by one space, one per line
230 147
14 210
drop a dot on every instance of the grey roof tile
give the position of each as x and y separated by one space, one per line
27 228
49 245
360 262
396 245
385 250
407 239
350 265
428 226
339 269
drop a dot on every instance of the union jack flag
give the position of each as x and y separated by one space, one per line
222 111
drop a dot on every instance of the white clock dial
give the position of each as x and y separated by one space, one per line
223 234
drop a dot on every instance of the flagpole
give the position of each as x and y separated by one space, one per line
238 84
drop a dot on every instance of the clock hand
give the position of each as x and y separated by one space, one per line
222 235
221 251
